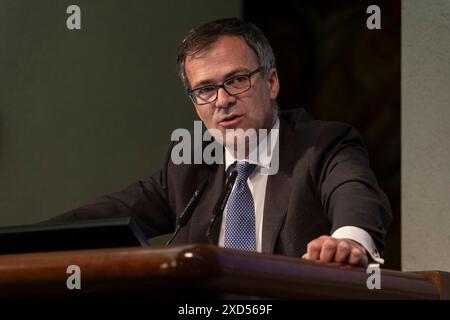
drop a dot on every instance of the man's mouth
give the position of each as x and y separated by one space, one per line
230 120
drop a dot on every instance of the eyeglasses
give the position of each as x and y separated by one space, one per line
233 86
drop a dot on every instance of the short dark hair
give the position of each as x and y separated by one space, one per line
205 35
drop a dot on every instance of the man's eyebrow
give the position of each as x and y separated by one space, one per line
227 75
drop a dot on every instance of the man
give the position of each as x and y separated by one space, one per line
322 204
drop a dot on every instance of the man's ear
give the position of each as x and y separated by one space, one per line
273 83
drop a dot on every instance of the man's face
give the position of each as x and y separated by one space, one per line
227 57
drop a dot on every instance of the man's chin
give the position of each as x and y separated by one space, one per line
233 136
241 141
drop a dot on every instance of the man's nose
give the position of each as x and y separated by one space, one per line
224 100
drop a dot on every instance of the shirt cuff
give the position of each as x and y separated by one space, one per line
362 237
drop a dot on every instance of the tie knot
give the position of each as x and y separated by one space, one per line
244 169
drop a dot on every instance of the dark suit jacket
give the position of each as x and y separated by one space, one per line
324 182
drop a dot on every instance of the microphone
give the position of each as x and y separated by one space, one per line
188 210
221 203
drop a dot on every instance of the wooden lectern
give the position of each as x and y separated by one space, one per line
203 271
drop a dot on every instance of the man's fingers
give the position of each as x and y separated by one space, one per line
357 257
343 251
313 249
328 250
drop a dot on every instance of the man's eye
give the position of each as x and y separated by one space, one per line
237 80
241 78
206 90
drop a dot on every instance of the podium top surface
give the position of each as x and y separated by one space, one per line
205 269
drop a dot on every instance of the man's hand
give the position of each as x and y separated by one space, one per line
328 249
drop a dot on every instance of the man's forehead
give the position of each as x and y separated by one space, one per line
228 54
222 43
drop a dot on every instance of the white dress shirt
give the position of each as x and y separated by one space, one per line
257 183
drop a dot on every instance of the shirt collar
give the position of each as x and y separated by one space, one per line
264 155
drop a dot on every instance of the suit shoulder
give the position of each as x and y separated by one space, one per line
317 131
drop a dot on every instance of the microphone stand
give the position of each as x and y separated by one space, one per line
220 206
188 210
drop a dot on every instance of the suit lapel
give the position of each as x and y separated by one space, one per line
217 189
278 189
200 221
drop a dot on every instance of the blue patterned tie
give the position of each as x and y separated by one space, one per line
240 230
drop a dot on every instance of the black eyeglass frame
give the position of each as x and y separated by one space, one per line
191 92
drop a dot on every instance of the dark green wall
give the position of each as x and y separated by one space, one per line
88 112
